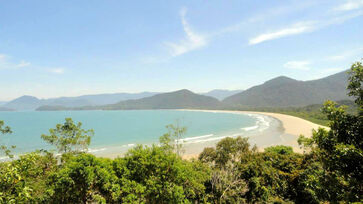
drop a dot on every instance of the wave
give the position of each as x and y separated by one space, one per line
262 123
96 150
213 138
129 145
250 128
195 138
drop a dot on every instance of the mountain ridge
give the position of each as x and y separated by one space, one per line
221 94
284 92
27 102
280 91
180 99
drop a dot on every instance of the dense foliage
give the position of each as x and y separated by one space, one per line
330 170
69 137
3 148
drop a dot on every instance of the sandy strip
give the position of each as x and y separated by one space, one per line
292 125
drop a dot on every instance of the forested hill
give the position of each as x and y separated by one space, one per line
173 100
285 92
32 103
221 94
280 92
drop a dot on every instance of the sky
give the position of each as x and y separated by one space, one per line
70 48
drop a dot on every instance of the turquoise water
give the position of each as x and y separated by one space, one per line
123 128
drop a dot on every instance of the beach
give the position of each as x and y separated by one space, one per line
282 130
271 129
292 128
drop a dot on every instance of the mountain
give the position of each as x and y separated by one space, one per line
95 100
24 103
32 103
181 99
284 92
5 109
221 94
174 100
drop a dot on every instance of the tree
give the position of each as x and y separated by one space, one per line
13 188
355 84
3 148
226 184
279 149
155 175
172 140
340 149
84 179
69 137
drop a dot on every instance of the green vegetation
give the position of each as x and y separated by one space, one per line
311 113
286 92
330 170
3 148
69 137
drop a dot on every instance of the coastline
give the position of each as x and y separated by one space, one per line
292 127
287 132
270 129
291 124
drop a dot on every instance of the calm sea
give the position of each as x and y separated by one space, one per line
127 128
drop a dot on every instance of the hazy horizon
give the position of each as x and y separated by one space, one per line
55 49
146 91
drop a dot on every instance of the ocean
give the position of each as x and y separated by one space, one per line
117 131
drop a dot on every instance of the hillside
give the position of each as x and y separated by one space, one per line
221 94
278 92
173 100
32 103
23 103
285 92
5 109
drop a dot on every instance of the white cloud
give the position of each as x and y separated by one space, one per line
353 53
23 64
308 26
56 70
295 29
299 65
7 63
191 42
349 5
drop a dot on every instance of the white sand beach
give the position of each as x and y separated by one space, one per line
292 126
285 130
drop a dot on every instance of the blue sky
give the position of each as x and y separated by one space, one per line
69 48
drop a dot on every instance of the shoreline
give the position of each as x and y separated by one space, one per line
292 126
284 130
